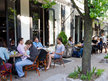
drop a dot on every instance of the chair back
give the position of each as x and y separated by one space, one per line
1 61
35 60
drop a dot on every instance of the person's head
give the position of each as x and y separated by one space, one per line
101 39
28 43
93 38
59 40
12 42
70 38
2 44
21 41
102 34
36 39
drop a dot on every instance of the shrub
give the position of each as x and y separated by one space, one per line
106 57
99 72
79 69
89 76
63 36
83 77
86 77
73 75
94 70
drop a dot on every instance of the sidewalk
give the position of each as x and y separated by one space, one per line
59 73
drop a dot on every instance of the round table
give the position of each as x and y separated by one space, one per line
15 56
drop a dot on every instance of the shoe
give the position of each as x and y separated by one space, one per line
17 77
47 68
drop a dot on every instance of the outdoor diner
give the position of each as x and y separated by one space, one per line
32 55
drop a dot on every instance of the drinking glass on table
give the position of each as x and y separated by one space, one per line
14 52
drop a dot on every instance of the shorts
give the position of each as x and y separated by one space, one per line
57 56
105 45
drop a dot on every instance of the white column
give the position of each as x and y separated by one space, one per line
78 28
25 19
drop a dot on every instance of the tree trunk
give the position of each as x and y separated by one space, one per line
86 59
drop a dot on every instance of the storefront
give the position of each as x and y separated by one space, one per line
8 21
23 18
43 24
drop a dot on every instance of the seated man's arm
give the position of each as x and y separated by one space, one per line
6 54
62 50
60 53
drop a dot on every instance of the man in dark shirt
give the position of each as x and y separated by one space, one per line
29 60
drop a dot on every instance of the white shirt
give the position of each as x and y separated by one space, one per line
104 39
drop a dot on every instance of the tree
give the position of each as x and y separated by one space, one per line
93 9
46 3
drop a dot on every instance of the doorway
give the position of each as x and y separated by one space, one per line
43 25
8 21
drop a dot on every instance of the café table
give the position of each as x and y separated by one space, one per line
15 56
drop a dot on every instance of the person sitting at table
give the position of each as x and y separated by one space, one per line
100 45
42 52
37 44
27 51
94 45
70 41
21 50
28 61
58 53
12 45
4 55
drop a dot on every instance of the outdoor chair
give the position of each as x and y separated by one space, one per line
60 60
34 66
5 70
42 60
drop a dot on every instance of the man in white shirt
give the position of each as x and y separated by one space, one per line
104 41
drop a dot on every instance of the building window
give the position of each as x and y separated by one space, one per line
62 17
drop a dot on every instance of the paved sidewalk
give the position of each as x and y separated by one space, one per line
59 73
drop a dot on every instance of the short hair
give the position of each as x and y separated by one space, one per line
2 43
60 39
35 38
70 38
28 42
20 39
101 39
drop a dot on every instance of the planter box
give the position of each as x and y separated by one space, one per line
103 77
68 52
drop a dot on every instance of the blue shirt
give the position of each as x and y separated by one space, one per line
4 53
60 48
38 45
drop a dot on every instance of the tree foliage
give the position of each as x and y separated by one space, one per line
46 3
98 8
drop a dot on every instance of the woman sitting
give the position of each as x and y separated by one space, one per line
37 44
70 41
94 45
42 53
4 55
21 50
100 45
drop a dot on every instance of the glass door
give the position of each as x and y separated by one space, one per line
11 21
36 13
